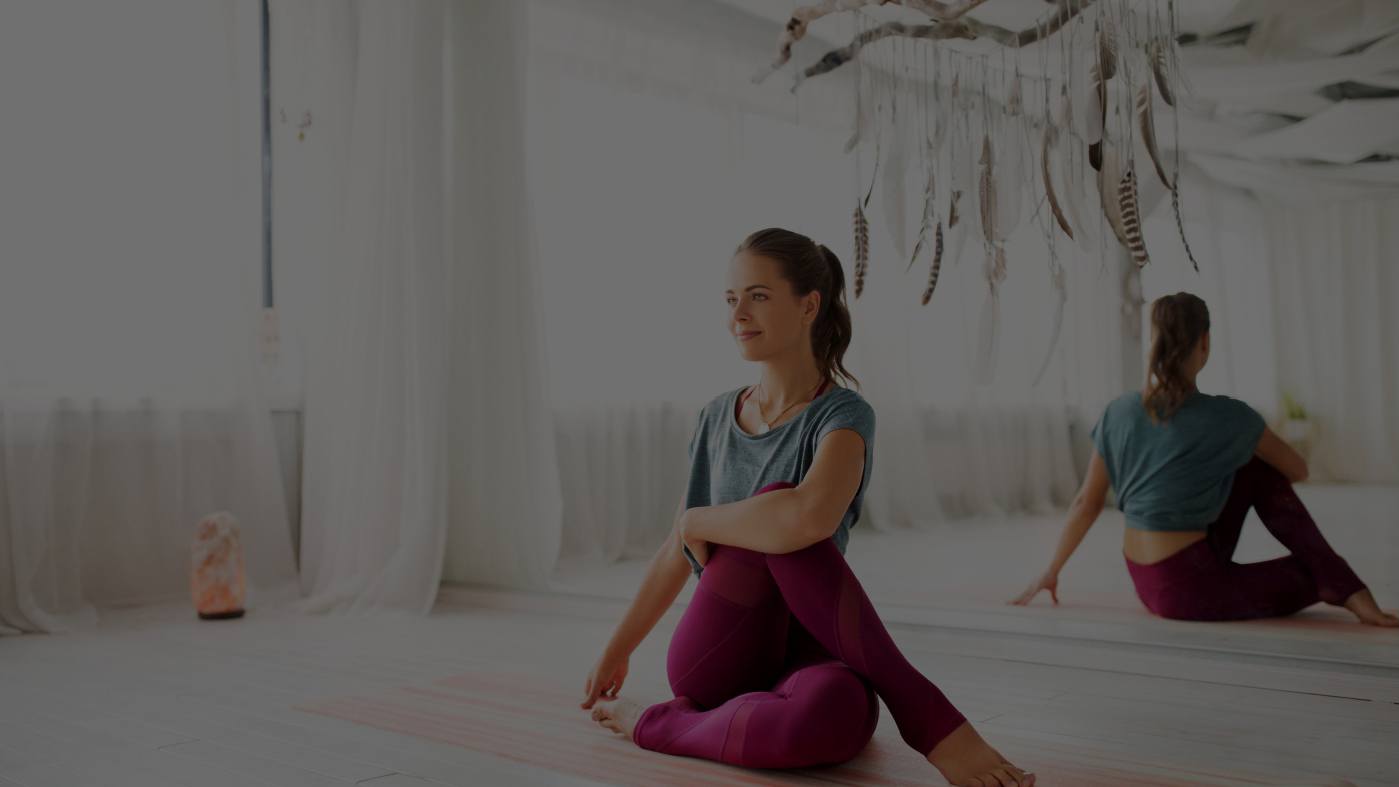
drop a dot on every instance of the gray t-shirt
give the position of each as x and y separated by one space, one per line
728 464
1176 475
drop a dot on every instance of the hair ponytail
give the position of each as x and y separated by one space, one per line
1177 323
811 267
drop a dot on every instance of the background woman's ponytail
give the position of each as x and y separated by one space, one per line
1177 323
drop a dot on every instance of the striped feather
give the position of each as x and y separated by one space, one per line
862 248
936 266
1131 217
1109 183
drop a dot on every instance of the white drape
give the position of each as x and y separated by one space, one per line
130 239
1297 270
425 456
1336 329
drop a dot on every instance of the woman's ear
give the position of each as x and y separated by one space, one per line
811 306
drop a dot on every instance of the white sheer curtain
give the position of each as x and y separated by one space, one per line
1298 273
652 156
1337 333
130 231
425 458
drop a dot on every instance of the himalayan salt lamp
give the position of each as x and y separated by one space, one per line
216 577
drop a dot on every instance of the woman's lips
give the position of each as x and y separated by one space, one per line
746 335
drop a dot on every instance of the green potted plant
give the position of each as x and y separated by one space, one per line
1297 427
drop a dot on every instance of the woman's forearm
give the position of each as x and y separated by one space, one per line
770 523
1081 517
664 579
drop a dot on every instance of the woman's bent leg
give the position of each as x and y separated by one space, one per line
1197 584
826 598
1283 513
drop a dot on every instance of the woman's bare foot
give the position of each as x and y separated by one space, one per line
618 715
1362 604
966 760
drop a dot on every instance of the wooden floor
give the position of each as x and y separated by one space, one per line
485 691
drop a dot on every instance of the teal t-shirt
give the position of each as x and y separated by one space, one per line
728 464
1176 475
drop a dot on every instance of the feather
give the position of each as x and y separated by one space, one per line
1156 57
1074 188
862 248
1131 217
935 267
1045 147
929 215
1148 129
1109 182
988 192
1107 51
862 121
1097 117
952 217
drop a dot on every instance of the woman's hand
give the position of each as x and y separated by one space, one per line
605 680
697 546
1048 581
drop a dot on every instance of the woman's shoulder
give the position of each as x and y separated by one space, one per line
1125 404
841 397
843 406
1229 406
717 405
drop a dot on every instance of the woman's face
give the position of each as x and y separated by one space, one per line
765 317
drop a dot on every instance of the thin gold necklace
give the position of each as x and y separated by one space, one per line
767 424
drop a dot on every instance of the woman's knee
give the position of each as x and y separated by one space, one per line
843 712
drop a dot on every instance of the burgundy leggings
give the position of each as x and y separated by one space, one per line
756 688
1202 581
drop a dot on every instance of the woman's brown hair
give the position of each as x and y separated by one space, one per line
811 267
1177 323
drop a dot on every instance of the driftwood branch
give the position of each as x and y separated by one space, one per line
966 28
795 29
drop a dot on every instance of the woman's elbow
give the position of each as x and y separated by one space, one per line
1088 505
1299 473
810 526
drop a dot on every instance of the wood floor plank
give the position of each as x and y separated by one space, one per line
486 693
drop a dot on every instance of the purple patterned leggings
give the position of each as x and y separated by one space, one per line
1202 581
776 664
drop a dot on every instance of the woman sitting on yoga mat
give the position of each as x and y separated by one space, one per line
779 655
1187 467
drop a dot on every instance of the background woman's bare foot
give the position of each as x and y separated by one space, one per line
966 760
618 715
1362 604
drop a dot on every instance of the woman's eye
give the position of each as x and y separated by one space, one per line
758 295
